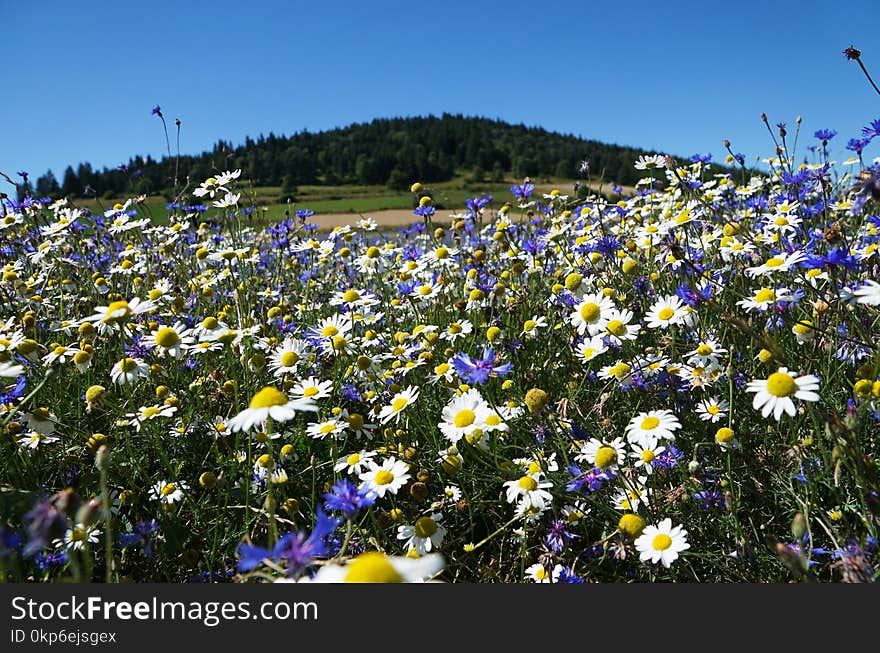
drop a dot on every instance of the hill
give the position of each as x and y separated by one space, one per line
390 151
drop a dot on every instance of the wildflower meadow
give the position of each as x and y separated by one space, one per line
680 383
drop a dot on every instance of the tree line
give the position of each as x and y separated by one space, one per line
387 151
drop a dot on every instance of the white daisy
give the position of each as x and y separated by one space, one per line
269 402
390 476
773 394
425 535
662 543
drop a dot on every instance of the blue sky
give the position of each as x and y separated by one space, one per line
82 77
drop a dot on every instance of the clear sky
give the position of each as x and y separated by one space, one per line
81 78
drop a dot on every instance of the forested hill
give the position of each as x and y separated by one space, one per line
393 152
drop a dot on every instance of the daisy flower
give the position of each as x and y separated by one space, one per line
662 543
539 574
869 293
592 314
636 494
147 413
457 330
618 327
531 327
376 567
269 402
129 370
119 311
77 537
168 492
287 356
424 535
312 388
34 439
712 409
170 341
462 415
656 423
590 348
773 394
398 403
355 463
530 490
328 428
604 455
764 298
778 263
666 312
644 453
390 476
10 370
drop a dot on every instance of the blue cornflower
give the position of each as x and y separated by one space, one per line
825 134
157 111
298 550
710 499
872 130
424 211
592 479
15 393
346 497
566 575
857 144
302 214
478 371
140 537
701 158
558 536
522 191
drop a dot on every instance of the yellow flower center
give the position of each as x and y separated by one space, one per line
372 567
425 290
425 527
210 323
529 325
704 350
329 427
441 253
528 483
803 327
765 295
781 384
616 327
329 331
167 337
383 477
59 350
724 435
150 411
117 311
339 343
289 358
310 391
493 420
351 296
373 252
650 423
464 418
605 457
398 404
268 397
356 421
590 312
455 328
774 262
661 542
78 534
353 459
666 313
128 365
648 456
169 488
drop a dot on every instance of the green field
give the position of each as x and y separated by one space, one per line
356 199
